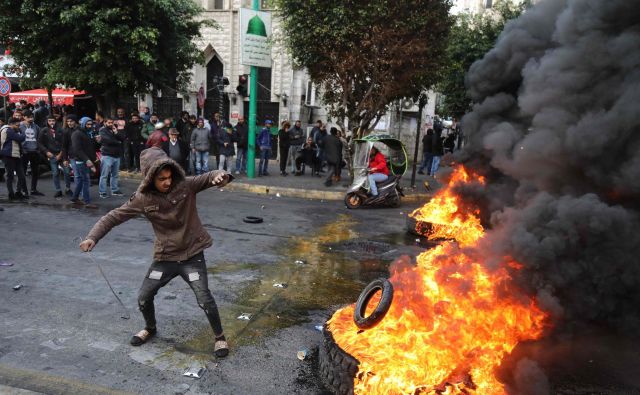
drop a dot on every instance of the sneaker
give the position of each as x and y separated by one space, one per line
90 205
117 193
58 195
35 192
420 172
297 173
76 202
21 196
68 192
265 174
142 337
103 196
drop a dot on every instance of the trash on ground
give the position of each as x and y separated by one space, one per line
280 285
300 262
417 240
195 372
278 194
170 297
244 316
319 328
303 354
4 263
262 207
17 287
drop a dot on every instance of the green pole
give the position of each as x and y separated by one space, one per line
253 110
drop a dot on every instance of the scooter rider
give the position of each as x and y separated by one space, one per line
168 200
378 170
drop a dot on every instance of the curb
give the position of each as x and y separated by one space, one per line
293 192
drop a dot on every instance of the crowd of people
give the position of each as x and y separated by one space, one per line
101 147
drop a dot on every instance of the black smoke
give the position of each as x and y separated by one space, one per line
556 130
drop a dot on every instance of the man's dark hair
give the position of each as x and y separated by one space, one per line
135 114
155 115
27 114
334 131
51 116
319 121
99 114
298 121
192 117
13 120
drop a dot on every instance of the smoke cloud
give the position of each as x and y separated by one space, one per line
556 130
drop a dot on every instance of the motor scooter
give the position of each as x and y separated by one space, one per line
389 191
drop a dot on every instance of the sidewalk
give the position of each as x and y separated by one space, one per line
312 187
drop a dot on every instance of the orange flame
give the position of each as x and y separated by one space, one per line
443 214
452 320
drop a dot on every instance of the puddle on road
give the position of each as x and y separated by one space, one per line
330 276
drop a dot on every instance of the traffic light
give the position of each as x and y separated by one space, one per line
243 85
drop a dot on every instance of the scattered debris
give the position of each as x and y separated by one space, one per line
401 213
195 371
280 285
262 207
300 262
4 263
278 194
170 297
244 316
319 328
17 287
417 240
303 354
427 186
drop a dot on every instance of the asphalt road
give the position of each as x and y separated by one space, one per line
62 332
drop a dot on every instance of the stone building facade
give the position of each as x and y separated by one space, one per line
284 92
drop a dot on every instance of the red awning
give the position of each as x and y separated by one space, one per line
60 96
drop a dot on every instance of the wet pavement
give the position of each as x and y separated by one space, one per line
62 332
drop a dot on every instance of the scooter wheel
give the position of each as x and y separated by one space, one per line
381 309
353 200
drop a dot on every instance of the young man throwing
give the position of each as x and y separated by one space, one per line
168 199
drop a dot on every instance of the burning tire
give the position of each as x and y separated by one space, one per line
418 228
337 368
381 309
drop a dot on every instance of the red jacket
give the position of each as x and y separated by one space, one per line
378 164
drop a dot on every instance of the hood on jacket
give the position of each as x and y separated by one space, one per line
153 159
84 120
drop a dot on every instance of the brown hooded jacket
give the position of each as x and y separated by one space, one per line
173 215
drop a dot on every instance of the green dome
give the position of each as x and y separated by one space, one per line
257 27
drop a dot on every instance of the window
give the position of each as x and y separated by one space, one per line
215 5
488 3
265 4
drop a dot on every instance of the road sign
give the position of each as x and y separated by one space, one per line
5 86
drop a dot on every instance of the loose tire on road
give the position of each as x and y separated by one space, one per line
253 220
381 309
337 368
353 200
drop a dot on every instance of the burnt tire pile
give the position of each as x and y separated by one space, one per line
337 368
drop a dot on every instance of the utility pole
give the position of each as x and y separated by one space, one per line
253 109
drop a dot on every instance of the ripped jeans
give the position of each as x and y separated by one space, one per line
194 272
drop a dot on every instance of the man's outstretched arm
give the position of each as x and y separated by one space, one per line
215 178
114 218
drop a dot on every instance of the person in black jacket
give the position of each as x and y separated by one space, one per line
332 147
283 146
135 141
85 153
427 152
112 141
50 142
438 148
242 139
296 140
